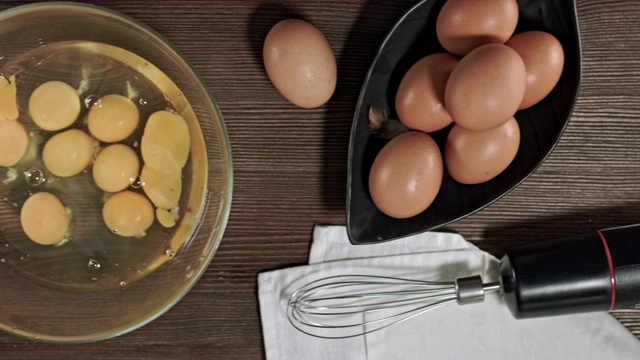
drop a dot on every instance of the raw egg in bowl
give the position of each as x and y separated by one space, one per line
494 89
115 173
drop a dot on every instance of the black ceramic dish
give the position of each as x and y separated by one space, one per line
541 126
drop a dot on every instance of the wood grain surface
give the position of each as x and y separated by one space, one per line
290 164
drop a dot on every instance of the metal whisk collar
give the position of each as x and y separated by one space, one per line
345 306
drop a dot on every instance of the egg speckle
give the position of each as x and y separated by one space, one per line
162 189
128 214
112 118
54 105
406 175
8 101
14 142
166 142
115 168
300 63
68 153
44 218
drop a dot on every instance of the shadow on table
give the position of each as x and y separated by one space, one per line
497 239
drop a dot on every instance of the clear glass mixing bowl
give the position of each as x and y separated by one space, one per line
70 311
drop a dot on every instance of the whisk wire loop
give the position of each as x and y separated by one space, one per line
344 306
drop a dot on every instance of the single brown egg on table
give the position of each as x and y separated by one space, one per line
473 157
463 25
300 63
543 58
406 175
486 88
420 97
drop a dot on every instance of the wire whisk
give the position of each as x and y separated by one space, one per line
345 306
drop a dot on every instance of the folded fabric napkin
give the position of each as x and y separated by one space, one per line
483 330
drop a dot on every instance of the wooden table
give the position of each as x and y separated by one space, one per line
291 164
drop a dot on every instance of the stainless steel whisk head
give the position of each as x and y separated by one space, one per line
345 306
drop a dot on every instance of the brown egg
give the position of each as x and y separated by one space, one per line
406 175
300 63
473 157
543 58
486 88
420 96
463 25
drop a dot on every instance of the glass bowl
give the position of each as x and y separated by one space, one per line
413 37
96 284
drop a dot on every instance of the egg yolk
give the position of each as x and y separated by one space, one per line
128 214
162 189
112 118
44 219
13 142
54 105
115 168
68 153
165 218
8 102
166 142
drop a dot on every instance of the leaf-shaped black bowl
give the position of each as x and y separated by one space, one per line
541 126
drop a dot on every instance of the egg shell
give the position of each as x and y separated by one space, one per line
68 153
543 58
8 100
128 214
300 63
474 157
486 87
44 219
420 98
166 142
406 175
112 118
463 25
54 105
14 141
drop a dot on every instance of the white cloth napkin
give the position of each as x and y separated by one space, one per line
474 331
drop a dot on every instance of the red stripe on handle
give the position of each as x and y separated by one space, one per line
612 273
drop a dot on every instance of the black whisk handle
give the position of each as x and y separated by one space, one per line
591 272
